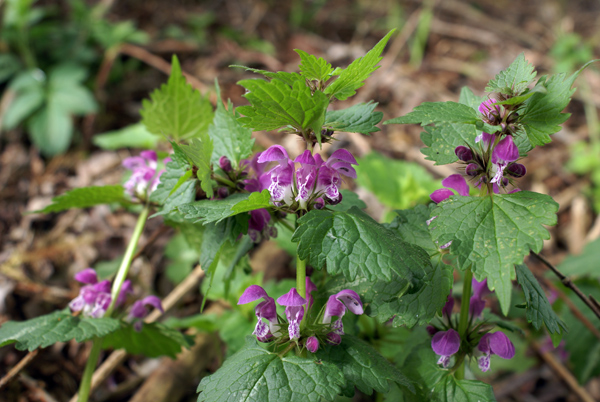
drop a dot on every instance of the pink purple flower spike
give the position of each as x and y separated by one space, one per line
343 155
312 344
87 276
144 175
291 299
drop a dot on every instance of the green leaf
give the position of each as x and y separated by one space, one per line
397 184
288 78
9 65
539 310
492 234
349 199
257 375
25 103
421 367
229 137
199 151
153 340
51 129
467 97
363 367
59 326
411 226
86 197
207 211
66 92
359 118
177 109
275 104
313 68
443 139
174 189
513 80
541 114
133 136
452 390
353 77
352 243
584 263
438 112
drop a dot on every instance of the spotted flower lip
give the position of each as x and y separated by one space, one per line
496 343
336 307
445 344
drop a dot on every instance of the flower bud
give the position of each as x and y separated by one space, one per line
472 169
516 170
312 344
334 202
463 153
225 164
319 203
222 192
333 338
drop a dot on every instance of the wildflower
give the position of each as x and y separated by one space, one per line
95 298
144 177
445 344
337 305
281 175
258 225
455 182
139 311
477 304
294 311
492 114
504 152
496 343
339 163
265 309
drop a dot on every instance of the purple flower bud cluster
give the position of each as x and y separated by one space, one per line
448 342
144 175
313 184
499 115
275 328
95 297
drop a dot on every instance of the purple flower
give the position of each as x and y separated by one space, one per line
310 287
494 344
455 182
329 181
281 175
139 311
265 309
337 305
515 170
477 304
294 311
463 153
306 177
259 220
492 114
486 140
333 338
144 177
505 152
447 310
445 344
258 180
95 298
312 344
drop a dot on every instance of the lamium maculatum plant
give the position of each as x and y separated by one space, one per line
225 196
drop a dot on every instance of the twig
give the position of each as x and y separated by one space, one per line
568 283
155 235
18 367
565 374
118 356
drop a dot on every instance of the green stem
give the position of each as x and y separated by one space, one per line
90 367
463 324
288 225
301 277
127 258
225 181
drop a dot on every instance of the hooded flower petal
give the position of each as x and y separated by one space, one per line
274 153
496 343
305 158
343 155
446 343
458 183
252 293
447 310
440 195
505 151
291 299
87 276
351 300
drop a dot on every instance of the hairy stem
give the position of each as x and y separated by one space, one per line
127 259
90 366
463 324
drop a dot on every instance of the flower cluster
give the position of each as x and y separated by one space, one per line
323 329
144 175
94 298
310 186
477 342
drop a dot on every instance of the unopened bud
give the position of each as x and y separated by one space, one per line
222 192
319 203
472 169
225 164
312 344
516 170
464 153
333 338
336 201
